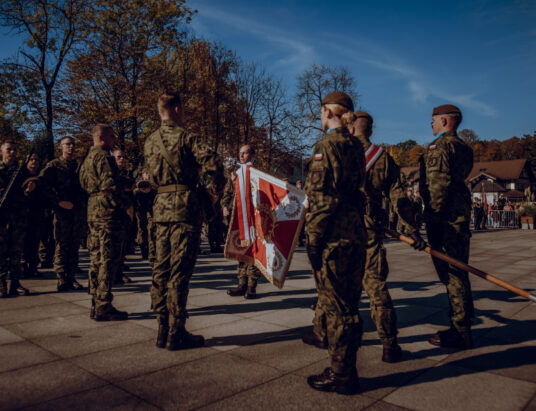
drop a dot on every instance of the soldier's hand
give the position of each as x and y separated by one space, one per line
315 256
225 212
130 213
66 205
30 186
418 242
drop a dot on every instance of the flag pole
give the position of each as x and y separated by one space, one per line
465 267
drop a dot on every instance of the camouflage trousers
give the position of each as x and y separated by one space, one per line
67 243
12 228
46 240
339 286
34 230
104 251
177 245
453 239
374 282
146 237
123 239
248 274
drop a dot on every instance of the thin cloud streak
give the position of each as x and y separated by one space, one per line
419 84
299 54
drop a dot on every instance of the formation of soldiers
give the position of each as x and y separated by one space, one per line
348 181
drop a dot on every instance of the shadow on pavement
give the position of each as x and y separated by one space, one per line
261 338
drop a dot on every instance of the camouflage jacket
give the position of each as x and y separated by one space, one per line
144 202
383 179
99 177
227 199
443 169
333 187
191 157
59 182
16 201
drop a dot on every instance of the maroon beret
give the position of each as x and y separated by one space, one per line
364 114
446 109
338 97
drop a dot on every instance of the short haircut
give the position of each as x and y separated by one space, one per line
8 141
251 148
67 137
100 129
168 101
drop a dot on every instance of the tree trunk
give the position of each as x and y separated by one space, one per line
49 141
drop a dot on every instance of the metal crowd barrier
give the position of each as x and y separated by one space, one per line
501 219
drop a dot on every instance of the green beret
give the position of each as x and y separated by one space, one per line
364 114
338 97
446 109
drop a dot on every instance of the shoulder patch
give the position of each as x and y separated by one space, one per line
318 156
432 147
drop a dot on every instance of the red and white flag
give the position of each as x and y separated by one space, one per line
265 225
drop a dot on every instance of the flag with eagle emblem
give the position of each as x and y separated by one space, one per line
266 221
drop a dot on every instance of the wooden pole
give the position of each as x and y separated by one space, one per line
466 267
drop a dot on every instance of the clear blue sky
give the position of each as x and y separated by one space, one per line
407 56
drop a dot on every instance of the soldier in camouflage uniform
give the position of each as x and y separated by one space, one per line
248 274
175 159
34 226
382 179
145 194
12 224
99 177
336 242
59 184
128 227
444 167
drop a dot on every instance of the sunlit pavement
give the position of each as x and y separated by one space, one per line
52 356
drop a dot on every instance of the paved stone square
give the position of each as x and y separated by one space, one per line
52 356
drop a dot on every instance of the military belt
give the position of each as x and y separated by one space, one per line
172 188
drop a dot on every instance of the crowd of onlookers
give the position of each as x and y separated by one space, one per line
500 213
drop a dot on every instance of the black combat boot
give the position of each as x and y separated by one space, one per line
452 338
216 249
332 382
239 291
16 289
75 285
92 309
392 353
162 335
112 314
3 289
180 339
312 339
63 286
251 292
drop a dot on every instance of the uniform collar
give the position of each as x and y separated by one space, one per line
364 141
169 123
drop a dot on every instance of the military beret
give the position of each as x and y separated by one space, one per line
338 97
363 114
446 109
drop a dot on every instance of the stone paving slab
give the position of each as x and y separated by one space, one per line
456 388
201 382
102 398
33 385
130 361
53 357
93 340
